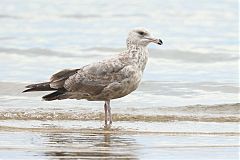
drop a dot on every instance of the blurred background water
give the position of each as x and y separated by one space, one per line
39 38
197 67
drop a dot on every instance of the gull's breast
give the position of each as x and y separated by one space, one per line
122 88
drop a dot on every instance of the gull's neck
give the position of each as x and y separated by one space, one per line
138 54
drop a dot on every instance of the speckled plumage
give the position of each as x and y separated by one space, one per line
105 80
108 79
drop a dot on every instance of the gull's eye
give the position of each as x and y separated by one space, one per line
141 33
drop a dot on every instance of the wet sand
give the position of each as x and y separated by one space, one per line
125 140
34 129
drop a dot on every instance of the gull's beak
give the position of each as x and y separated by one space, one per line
159 41
154 40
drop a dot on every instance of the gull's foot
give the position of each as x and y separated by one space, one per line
105 123
107 126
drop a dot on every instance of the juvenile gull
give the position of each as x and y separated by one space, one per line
105 80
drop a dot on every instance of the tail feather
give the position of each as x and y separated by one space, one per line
53 96
39 87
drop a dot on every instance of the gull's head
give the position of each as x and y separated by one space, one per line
141 36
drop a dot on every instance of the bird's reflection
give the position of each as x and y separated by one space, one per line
104 145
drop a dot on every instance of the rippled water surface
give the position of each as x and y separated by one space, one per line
187 106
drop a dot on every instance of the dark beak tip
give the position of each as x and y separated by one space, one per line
160 42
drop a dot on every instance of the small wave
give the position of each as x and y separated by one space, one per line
107 131
218 109
21 115
37 52
184 56
4 16
81 16
98 16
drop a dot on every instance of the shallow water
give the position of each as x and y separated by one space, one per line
187 106
118 146
142 128
125 140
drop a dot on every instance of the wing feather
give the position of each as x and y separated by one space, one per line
58 79
92 79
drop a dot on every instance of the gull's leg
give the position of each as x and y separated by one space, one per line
109 112
105 109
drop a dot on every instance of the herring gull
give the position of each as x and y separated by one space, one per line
105 80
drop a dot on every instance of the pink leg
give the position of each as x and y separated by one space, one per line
105 109
109 112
